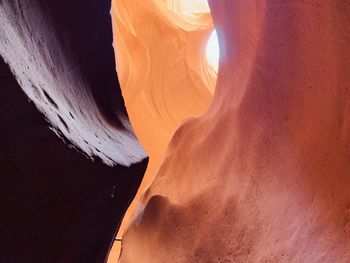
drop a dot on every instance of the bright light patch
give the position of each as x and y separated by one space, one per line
213 51
193 6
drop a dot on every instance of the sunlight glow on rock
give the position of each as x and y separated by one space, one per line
194 6
213 51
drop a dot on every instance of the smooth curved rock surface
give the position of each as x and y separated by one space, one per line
163 71
160 68
56 205
62 56
263 175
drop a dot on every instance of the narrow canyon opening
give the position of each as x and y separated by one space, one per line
167 55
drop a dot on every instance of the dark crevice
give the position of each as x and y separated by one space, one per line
63 122
51 101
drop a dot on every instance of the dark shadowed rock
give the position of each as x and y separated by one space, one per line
56 205
62 56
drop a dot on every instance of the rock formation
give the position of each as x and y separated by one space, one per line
259 173
163 71
56 205
263 175
62 56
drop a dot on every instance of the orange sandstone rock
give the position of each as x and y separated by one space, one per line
162 69
264 174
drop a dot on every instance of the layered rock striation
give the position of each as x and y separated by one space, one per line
163 71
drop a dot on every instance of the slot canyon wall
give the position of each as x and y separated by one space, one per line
263 175
62 199
258 173
163 72
62 56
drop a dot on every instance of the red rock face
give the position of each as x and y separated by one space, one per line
264 175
